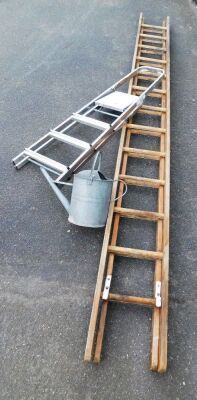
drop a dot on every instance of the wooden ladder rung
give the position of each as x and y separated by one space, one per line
145 46
121 298
146 128
153 108
143 133
138 214
149 64
148 112
153 94
151 41
154 60
163 28
147 77
142 88
135 253
153 52
153 36
152 31
142 153
140 181
158 110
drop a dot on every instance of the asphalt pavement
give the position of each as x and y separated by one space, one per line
56 56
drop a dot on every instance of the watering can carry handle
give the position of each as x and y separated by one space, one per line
125 190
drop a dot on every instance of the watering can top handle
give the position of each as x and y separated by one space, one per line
97 158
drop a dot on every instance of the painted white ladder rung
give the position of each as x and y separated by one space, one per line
55 165
95 123
69 140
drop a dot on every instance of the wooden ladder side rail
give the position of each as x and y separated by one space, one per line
115 224
110 263
158 361
102 265
154 360
159 318
163 337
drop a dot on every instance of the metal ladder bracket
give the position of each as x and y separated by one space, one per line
107 287
158 294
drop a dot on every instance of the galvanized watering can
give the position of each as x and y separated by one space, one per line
90 198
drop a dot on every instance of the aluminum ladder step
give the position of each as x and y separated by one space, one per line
46 161
117 101
62 137
94 123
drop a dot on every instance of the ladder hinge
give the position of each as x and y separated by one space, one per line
107 287
158 293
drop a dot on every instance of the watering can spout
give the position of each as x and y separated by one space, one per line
57 191
90 198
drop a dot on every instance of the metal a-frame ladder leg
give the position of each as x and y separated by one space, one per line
151 41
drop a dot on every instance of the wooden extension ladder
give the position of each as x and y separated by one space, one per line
152 48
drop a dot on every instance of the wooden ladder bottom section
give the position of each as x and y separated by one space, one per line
152 48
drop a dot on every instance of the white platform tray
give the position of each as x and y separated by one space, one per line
117 101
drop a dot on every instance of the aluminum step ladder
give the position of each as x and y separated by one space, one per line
113 103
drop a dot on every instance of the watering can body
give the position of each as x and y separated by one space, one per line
90 199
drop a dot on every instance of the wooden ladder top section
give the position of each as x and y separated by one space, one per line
152 48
